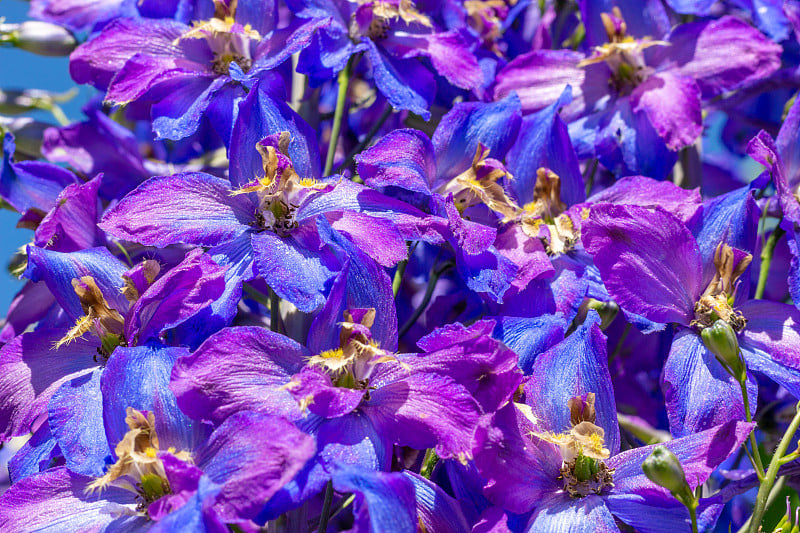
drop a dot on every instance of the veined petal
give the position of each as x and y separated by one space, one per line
647 192
573 368
384 501
404 82
250 467
672 103
425 410
771 342
558 512
649 260
31 371
238 369
404 158
722 54
468 124
56 500
699 392
190 208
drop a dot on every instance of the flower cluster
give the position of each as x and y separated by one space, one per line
395 266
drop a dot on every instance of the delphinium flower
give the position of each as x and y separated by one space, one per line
637 101
392 34
555 458
160 480
186 71
358 397
653 266
103 305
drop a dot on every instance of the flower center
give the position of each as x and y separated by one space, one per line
138 468
623 54
716 302
373 18
487 17
228 40
104 321
352 364
582 450
280 190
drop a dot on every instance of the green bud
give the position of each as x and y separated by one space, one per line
720 339
39 37
664 469
152 487
586 467
608 311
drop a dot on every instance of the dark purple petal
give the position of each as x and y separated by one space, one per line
647 192
324 399
448 51
250 467
644 18
238 369
175 297
405 83
72 224
722 55
437 510
57 499
404 158
771 342
544 142
672 103
649 260
384 501
520 469
191 208
423 411
30 184
31 371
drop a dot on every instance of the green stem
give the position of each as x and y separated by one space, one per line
644 434
426 299
360 146
341 100
326 508
769 480
59 115
620 342
693 515
766 260
588 177
274 311
755 457
428 463
398 276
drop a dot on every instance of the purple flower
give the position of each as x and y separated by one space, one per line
392 34
652 265
185 71
637 101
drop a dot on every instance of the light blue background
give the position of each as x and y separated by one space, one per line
20 69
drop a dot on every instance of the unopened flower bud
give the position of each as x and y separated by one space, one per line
39 37
720 339
664 469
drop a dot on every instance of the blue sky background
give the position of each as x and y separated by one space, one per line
19 69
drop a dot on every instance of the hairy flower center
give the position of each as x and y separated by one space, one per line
351 365
582 450
138 468
623 54
373 18
228 40
716 302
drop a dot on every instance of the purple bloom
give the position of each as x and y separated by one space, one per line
529 453
185 71
637 101
653 266
392 34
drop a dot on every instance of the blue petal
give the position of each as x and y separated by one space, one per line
76 420
260 115
544 142
404 82
456 138
529 337
384 501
